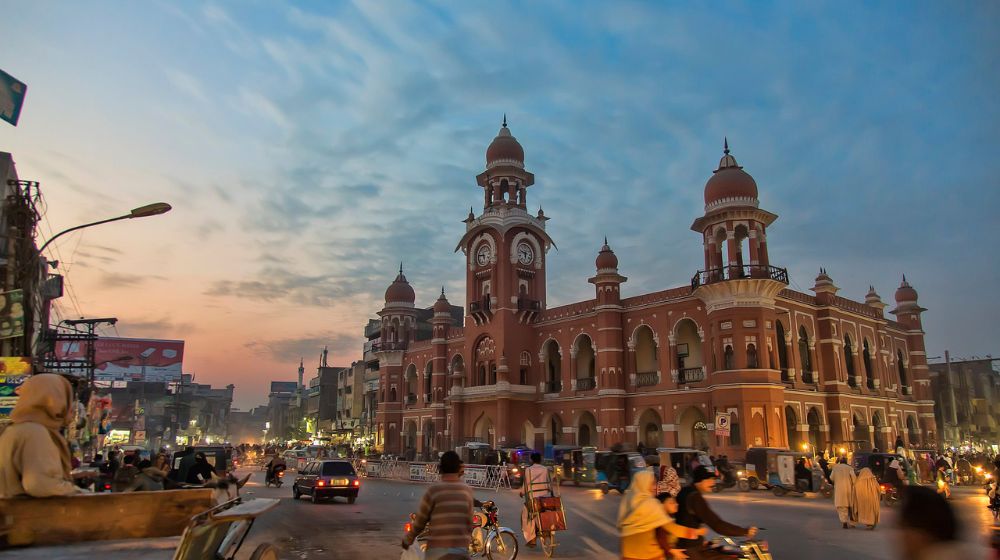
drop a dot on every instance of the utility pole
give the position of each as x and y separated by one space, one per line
90 337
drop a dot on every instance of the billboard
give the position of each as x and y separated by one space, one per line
11 314
13 372
12 93
129 359
284 386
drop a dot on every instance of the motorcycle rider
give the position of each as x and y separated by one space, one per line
693 512
272 468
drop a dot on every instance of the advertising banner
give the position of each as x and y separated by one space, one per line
12 93
475 475
13 372
11 314
129 359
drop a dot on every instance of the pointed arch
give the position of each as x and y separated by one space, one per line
551 356
805 356
644 342
586 358
901 368
649 427
692 429
586 429
780 335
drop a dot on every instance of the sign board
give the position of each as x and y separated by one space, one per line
140 437
284 386
117 437
417 471
12 314
475 476
13 372
373 469
722 424
128 359
12 93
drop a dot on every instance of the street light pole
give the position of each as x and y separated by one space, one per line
154 209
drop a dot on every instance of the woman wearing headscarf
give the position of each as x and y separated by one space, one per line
640 515
868 498
201 471
35 455
669 483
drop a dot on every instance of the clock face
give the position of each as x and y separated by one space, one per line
483 255
524 254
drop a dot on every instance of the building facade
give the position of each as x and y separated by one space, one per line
788 368
967 401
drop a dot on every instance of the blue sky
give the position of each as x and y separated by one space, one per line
309 147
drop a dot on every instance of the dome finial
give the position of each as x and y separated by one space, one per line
725 145
505 120
605 239
400 268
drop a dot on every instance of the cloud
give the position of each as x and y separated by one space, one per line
288 350
186 83
156 328
117 280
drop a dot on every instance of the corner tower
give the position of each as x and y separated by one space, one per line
738 287
399 324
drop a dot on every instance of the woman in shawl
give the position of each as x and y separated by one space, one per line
868 498
669 483
34 455
640 515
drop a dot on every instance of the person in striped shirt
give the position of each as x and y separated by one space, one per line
446 512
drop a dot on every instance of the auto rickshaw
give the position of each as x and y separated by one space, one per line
774 468
684 460
562 461
615 469
220 457
584 470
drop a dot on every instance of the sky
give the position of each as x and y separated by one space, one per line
309 147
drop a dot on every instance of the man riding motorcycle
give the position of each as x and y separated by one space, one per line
693 512
277 462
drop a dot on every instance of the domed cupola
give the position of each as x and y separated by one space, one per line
729 184
905 293
607 261
442 305
505 149
400 290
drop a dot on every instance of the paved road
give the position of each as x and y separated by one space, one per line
372 527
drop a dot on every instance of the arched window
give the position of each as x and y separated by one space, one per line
752 356
805 360
849 360
782 351
866 357
901 367
481 379
735 436
553 367
428 376
728 357
392 395
645 351
493 373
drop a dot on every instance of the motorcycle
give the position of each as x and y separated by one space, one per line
489 539
742 549
890 494
275 478
994 495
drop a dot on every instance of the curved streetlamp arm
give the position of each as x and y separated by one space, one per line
72 229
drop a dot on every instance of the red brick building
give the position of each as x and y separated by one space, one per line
788 367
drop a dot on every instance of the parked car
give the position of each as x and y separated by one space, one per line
327 479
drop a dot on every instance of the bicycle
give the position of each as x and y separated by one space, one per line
548 516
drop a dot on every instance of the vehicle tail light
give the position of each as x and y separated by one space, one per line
320 483
357 483
107 486
407 527
281 474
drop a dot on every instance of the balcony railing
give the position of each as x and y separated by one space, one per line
647 379
907 390
810 377
482 306
691 375
713 275
553 386
525 304
586 384
389 346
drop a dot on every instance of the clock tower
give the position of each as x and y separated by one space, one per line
505 249
505 246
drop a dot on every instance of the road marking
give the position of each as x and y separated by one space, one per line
596 548
597 521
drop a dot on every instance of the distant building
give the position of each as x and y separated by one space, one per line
280 417
247 426
966 400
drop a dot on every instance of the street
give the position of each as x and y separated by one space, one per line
372 527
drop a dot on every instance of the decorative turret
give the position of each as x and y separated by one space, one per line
872 299
400 291
825 289
907 310
729 184
608 281
505 180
